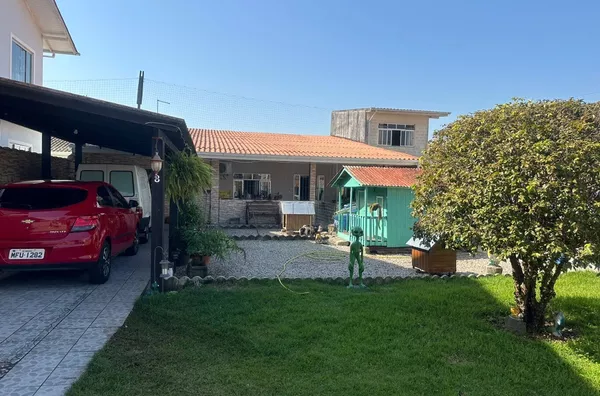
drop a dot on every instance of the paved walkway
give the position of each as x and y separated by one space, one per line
52 323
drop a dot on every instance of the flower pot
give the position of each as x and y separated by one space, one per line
182 260
197 270
196 260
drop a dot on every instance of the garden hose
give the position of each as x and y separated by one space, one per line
318 255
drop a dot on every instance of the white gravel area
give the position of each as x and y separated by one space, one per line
252 231
265 259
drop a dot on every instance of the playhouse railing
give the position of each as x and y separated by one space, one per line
374 228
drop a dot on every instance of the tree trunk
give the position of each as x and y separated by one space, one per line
519 281
525 280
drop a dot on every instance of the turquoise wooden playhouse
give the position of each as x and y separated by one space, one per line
378 200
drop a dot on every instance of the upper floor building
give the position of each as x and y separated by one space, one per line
394 129
30 30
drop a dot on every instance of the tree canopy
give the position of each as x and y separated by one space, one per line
521 181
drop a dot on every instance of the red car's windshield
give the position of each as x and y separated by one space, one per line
40 198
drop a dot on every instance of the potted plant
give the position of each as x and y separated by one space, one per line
202 244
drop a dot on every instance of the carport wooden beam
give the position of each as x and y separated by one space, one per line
157 217
46 156
78 154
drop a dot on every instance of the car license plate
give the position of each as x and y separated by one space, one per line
26 254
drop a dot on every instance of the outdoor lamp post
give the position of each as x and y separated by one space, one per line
164 267
156 163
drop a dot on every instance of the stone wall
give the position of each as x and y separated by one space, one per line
312 195
231 210
111 158
20 165
215 203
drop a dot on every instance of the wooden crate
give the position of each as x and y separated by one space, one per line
435 261
293 222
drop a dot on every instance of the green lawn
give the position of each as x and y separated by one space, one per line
413 337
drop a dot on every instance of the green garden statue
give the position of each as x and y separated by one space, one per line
356 255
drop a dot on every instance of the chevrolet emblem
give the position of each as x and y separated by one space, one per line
28 221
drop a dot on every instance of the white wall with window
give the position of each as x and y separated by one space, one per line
21 58
18 136
21 61
18 145
398 135
417 137
21 45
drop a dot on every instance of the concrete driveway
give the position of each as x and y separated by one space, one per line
52 323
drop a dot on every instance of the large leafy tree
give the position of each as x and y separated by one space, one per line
521 181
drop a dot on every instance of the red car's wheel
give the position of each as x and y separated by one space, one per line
100 272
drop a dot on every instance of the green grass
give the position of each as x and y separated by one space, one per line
414 337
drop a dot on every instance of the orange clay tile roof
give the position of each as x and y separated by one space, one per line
378 176
279 144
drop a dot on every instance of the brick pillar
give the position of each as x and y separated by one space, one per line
313 182
214 193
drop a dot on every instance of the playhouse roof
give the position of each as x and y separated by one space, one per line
380 176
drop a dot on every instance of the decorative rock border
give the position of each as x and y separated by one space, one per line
275 238
174 283
250 226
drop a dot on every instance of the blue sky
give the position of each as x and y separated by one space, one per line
457 56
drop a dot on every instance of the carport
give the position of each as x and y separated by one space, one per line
82 120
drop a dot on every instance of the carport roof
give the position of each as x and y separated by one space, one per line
81 119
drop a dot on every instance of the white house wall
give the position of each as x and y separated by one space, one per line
421 135
16 22
12 133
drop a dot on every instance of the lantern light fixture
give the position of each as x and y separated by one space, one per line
156 163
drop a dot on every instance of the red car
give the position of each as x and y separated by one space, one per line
65 225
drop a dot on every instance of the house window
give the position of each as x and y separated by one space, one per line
19 146
21 63
251 185
321 188
396 135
